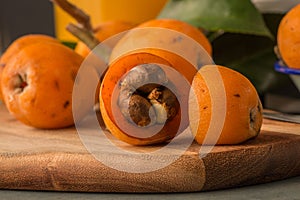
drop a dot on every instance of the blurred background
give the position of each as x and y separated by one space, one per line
20 17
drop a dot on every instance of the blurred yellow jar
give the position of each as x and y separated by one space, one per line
135 11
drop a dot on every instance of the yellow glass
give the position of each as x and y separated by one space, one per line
135 11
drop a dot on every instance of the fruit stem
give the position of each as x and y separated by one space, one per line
84 35
84 30
78 14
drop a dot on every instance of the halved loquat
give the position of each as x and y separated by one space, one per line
224 107
168 46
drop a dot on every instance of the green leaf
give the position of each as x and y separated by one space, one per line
252 56
234 16
71 45
260 70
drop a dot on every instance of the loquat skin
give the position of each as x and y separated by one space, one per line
19 44
243 110
38 83
102 32
288 38
182 27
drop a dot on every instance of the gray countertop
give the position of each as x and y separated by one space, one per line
280 190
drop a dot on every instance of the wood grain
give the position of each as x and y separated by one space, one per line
32 159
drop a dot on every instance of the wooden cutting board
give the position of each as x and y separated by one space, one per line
32 159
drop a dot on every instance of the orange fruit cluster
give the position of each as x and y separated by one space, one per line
243 117
37 76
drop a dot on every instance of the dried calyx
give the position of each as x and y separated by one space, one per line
255 113
20 83
145 98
